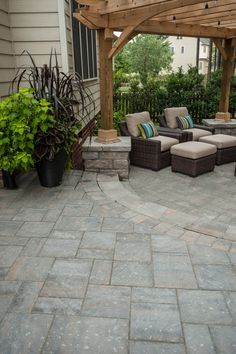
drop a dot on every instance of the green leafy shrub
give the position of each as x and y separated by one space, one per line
213 93
176 89
21 117
118 117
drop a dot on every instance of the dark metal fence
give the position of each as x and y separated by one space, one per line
199 105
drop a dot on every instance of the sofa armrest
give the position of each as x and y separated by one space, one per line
162 121
178 134
209 129
123 129
145 153
146 145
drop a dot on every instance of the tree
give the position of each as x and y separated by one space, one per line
148 55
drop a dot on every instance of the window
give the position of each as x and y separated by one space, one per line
172 50
179 37
182 50
85 52
200 65
204 49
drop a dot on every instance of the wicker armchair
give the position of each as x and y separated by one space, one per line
147 153
190 132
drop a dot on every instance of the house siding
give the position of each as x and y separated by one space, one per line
37 27
7 61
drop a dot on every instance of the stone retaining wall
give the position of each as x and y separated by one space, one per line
221 127
107 158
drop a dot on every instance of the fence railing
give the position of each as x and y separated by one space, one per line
199 105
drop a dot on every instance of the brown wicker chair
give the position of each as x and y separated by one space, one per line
163 123
147 153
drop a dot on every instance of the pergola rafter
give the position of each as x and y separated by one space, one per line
199 10
214 19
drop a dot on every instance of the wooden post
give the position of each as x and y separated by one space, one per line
226 81
106 134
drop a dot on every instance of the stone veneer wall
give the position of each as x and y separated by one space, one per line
227 131
221 127
107 158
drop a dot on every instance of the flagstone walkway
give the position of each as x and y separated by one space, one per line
100 266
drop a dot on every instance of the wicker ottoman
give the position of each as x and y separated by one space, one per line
193 158
226 147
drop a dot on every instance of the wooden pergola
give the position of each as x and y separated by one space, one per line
214 19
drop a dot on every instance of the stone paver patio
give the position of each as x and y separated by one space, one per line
101 266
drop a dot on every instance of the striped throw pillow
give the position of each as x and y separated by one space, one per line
185 122
147 130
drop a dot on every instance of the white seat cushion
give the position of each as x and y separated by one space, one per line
172 113
193 150
166 142
132 121
221 141
197 133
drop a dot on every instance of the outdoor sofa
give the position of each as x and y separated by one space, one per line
153 153
170 123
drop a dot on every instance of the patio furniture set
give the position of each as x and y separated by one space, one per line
189 149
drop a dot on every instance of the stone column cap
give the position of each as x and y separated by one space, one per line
124 144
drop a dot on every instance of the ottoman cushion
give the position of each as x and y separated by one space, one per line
197 133
193 150
221 141
166 142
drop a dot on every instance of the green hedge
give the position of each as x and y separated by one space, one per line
177 89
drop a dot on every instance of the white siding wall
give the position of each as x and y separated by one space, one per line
7 62
35 28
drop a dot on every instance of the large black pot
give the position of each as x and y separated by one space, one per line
50 172
9 180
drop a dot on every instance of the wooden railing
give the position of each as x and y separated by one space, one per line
85 132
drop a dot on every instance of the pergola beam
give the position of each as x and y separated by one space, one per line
139 15
125 37
202 19
84 20
199 10
214 19
155 27
218 44
226 76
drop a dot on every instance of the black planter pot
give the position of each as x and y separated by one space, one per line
9 180
51 172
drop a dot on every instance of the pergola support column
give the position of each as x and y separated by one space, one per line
226 81
106 134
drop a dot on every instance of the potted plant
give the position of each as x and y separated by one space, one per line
72 106
21 115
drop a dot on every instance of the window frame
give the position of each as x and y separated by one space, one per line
85 54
